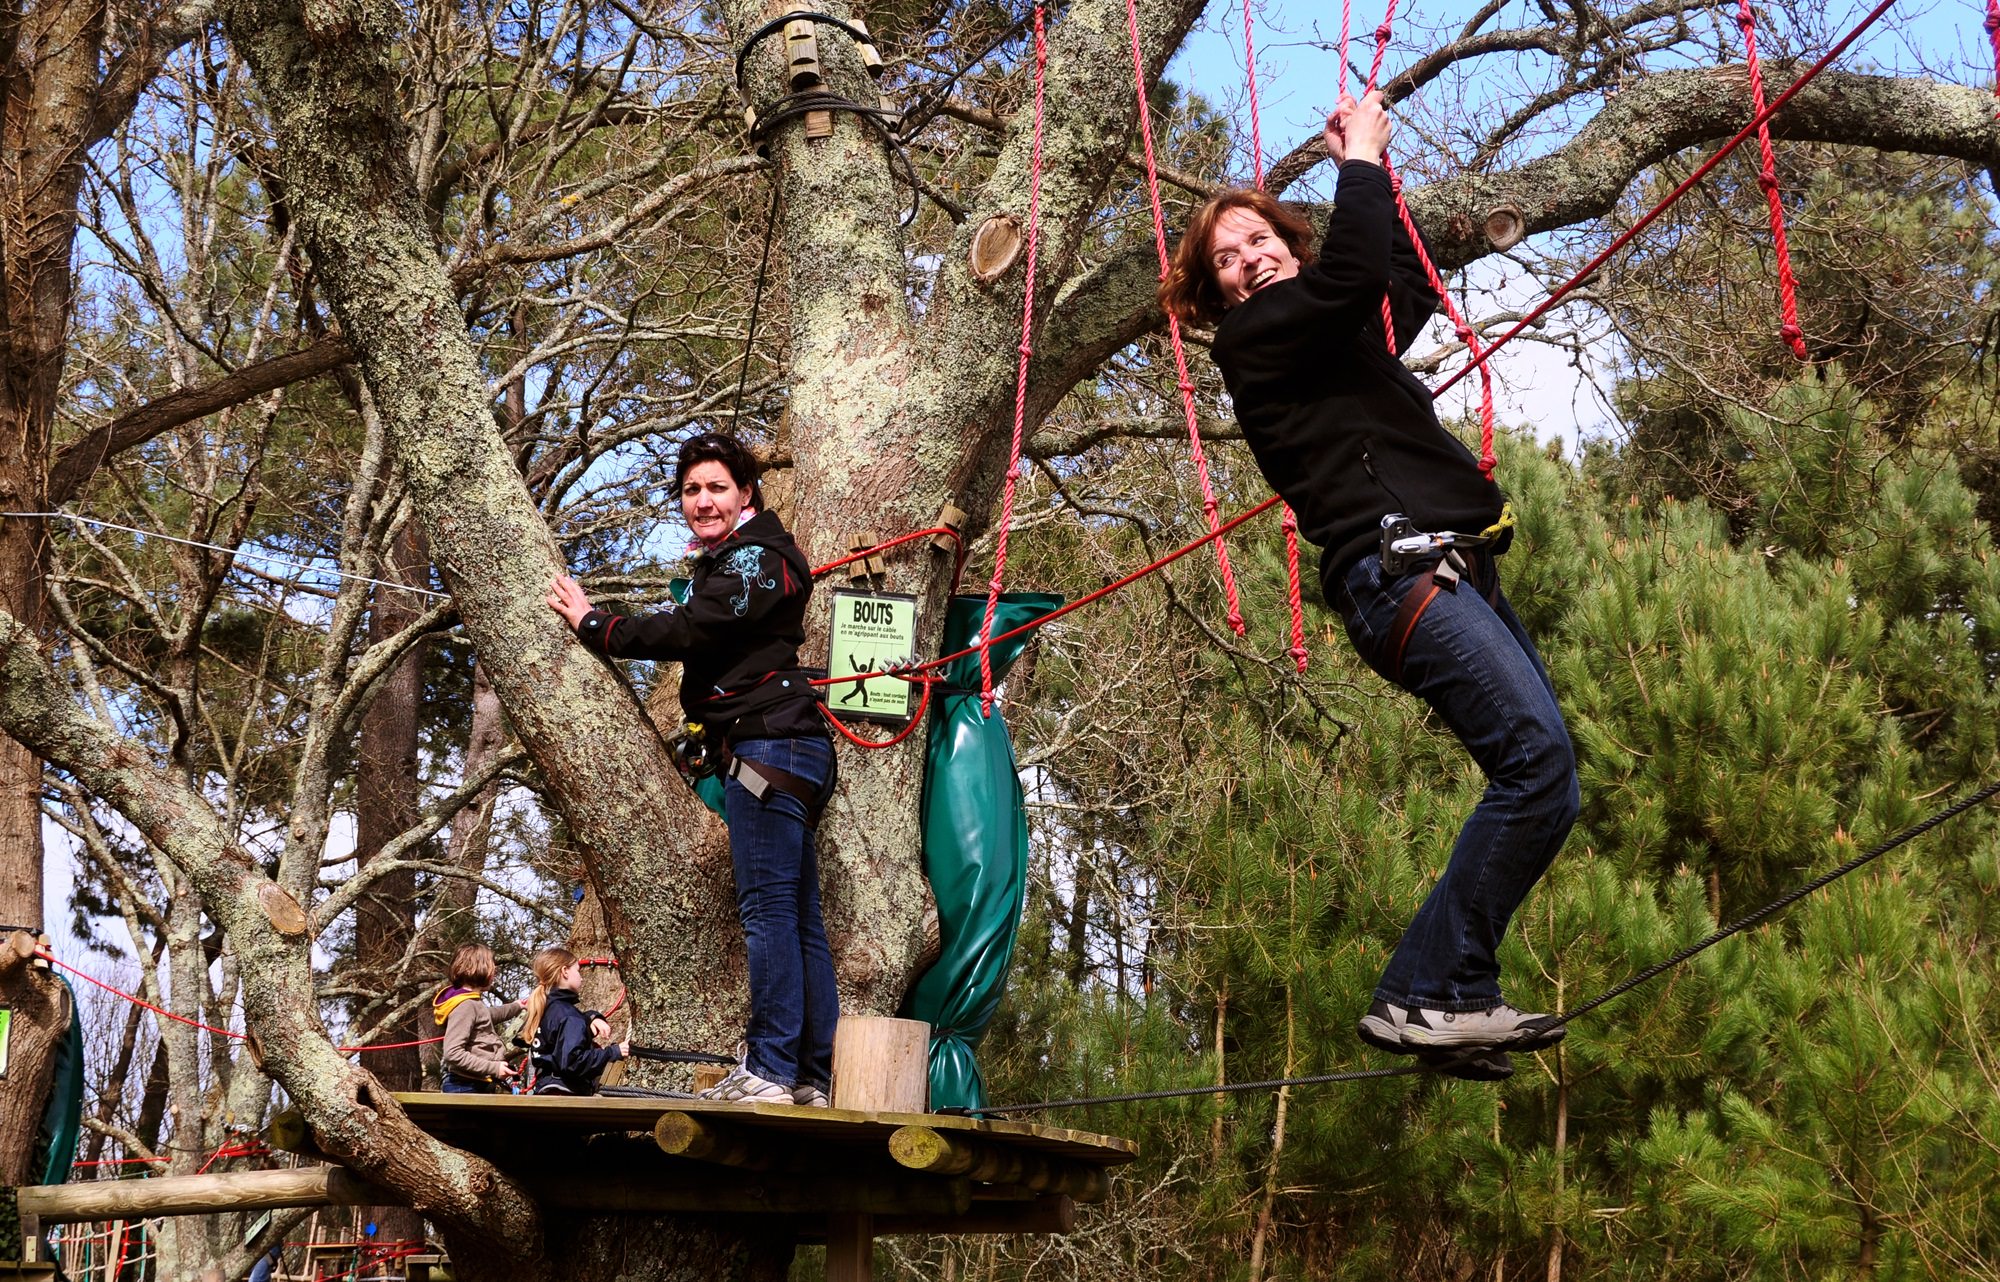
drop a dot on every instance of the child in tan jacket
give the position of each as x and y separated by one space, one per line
475 1060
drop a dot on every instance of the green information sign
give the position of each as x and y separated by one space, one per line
871 631
6 1026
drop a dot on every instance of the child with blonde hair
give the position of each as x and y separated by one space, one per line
567 1055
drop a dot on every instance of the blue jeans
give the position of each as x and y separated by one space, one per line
1472 662
793 1002
456 1085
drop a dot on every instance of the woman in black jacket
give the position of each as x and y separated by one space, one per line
736 637
1347 435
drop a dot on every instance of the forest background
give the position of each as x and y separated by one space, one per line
1767 592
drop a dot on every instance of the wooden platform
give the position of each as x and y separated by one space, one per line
837 1175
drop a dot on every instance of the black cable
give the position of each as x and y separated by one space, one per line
656 1055
757 298
1736 927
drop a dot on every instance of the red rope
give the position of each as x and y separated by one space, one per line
1382 34
1767 178
1250 75
1027 351
1993 34
1079 603
1458 322
1208 503
916 718
1294 599
1686 185
1346 19
209 1028
823 570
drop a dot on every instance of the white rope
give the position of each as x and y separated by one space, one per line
214 547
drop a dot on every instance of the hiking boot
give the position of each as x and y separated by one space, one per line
1403 1031
806 1095
1471 1066
740 1085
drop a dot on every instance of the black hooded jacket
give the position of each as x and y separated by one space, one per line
1340 428
737 638
564 1049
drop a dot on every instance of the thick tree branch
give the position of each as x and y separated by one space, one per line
79 461
352 1116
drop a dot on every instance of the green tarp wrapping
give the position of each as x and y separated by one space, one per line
62 1118
975 835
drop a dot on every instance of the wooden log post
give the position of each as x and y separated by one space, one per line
881 1065
940 1152
200 1195
685 1135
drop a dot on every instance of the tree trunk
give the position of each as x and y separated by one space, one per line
48 95
386 801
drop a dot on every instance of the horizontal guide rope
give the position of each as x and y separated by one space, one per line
1658 968
229 551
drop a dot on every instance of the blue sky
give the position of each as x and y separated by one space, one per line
1298 81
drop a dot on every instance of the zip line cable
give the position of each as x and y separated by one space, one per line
228 551
1618 990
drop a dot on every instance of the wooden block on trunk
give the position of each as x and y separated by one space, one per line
881 1065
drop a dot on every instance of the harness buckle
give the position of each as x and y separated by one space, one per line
1403 544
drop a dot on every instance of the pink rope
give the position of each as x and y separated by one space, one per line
1346 20
1208 503
1767 178
1458 323
1993 34
1294 599
1027 350
1382 34
1250 71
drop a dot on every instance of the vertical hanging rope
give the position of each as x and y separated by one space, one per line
1993 34
1382 34
1208 503
1250 74
1346 20
1458 323
1294 601
1767 178
1027 350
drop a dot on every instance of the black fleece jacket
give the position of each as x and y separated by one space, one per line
737 638
564 1048
1340 428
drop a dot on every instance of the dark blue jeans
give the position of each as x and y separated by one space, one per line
1472 662
793 1002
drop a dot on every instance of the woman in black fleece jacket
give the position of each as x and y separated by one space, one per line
1346 434
737 638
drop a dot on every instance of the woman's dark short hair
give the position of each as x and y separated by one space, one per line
735 457
1189 293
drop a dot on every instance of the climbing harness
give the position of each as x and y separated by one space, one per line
761 781
1404 547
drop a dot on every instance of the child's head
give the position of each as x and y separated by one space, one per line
472 966
550 966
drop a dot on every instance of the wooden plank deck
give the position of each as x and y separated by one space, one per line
470 1120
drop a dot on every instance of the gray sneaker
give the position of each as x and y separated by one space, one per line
741 1085
806 1095
1404 1031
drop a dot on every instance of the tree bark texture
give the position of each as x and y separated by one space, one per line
496 1226
48 84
